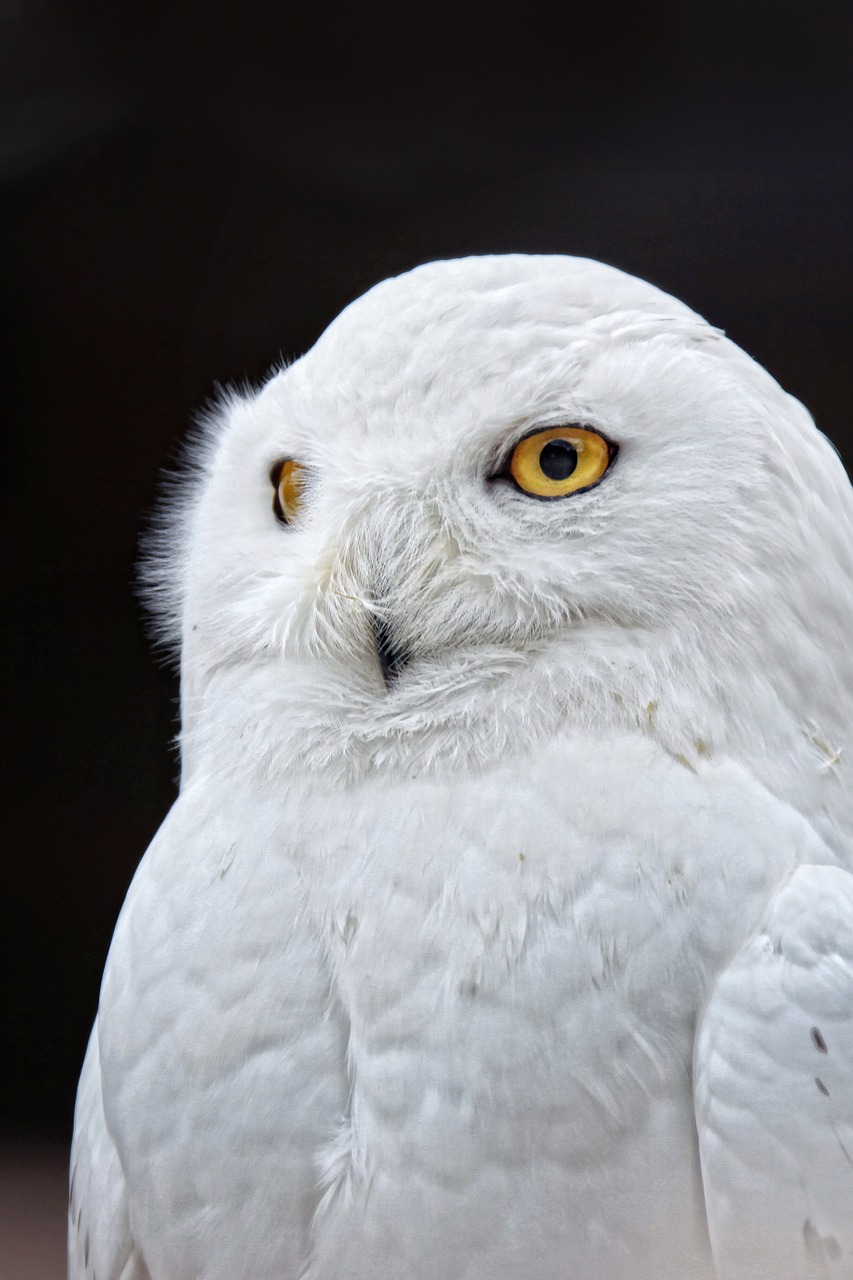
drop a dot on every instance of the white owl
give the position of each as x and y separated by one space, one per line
503 928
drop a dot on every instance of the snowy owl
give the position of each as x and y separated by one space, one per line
503 927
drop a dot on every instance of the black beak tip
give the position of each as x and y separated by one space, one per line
393 659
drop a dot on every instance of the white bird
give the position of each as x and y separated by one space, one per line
503 927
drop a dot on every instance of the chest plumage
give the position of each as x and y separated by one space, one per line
463 1001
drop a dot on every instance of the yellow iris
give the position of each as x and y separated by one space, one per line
559 461
289 480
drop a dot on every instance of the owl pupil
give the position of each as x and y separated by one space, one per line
558 459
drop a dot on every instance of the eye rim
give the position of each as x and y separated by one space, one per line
275 477
612 454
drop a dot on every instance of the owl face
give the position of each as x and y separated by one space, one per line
490 466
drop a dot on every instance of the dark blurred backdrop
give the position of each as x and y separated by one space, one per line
188 195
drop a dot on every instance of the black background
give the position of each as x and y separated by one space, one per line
189 194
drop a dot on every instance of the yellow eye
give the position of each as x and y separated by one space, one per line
288 479
560 460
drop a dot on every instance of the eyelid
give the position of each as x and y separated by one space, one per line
501 456
580 424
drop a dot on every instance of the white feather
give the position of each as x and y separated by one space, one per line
774 1089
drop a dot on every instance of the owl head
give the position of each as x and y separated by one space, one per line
502 495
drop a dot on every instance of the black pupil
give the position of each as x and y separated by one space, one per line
558 459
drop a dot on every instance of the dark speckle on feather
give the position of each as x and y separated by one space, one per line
818 1247
818 1040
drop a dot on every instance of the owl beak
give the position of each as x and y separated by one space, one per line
392 658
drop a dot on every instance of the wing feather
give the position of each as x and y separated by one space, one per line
774 1090
100 1243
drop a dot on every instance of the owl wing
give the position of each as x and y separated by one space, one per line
100 1243
773 1079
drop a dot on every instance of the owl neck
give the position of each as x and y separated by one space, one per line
700 697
